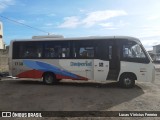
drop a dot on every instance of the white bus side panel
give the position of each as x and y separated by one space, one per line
141 70
67 68
101 69
82 67
87 68
90 68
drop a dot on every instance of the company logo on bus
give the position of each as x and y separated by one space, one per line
86 63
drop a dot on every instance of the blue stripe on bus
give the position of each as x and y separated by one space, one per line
47 67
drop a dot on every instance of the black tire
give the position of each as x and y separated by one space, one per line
127 81
49 78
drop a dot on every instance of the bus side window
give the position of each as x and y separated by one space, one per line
102 50
86 52
28 50
33 52
65 52
56 49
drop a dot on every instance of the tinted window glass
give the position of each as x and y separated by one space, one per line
56 49
27 50
83 49
102 49
31 51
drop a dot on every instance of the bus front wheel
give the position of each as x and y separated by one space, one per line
49 78
127 81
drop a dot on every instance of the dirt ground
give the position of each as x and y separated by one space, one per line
31 95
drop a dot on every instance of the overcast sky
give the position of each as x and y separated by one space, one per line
78 18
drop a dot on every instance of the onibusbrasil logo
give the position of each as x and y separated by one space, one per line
21 114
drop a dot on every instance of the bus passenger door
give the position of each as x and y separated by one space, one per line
114 61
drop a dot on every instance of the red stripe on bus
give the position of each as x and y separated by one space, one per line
67 77
30 74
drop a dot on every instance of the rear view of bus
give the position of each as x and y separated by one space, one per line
118 58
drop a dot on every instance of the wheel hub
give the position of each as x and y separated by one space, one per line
48 79
127 81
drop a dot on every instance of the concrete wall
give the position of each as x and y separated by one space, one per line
4 60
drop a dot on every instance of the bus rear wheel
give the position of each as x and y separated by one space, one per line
127 81
49 78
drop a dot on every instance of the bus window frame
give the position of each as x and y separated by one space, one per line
69 46
145 60
17 55
75 45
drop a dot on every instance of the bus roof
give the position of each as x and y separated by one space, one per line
80 38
